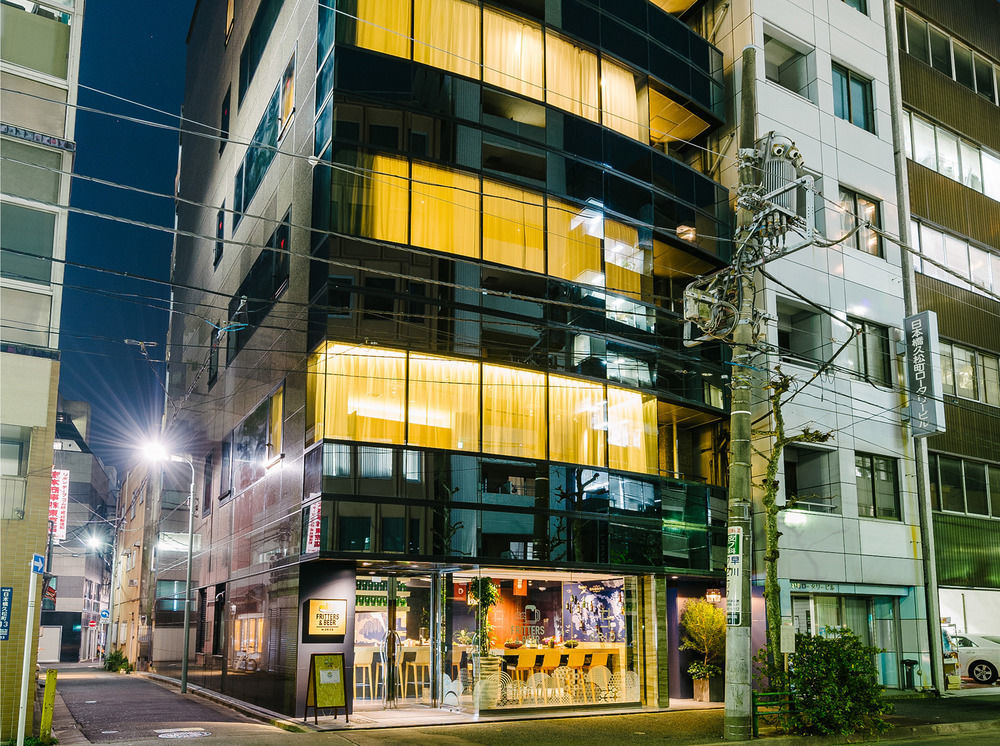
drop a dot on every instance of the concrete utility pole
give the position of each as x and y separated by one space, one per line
740 532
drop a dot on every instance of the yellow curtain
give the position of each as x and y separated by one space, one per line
513 54
446 35
571 77
620 101
275 422
577 421
443 403
513 411
574 235
386 215
445 210
625 262
632 443
315 394
384 26
513 226
365 393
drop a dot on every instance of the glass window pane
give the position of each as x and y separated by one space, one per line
577 421
571 77
932 246
932 467
381 26
575 235
979 267
446 35
951 484
940 51
877 365
963 66
847 220
916 37
445 210
984 78
972 173
947 152
956 252
865 484
868 240
443 403
31 232
513 226
632 431
995 490
30 172
365 393
975 488
513 411
991 380
886 491
965 372
947 369
991 175
861 104
622 101
374 463
371 197
513 54
841 106
924 150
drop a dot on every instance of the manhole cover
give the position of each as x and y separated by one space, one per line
185 734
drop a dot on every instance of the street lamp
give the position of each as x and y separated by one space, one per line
158 453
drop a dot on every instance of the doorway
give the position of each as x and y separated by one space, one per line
49 643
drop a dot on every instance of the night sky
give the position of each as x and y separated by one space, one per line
135 50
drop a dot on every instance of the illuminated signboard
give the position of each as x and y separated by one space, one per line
59 503
327 616
314 528
923 361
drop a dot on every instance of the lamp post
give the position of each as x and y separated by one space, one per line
157 454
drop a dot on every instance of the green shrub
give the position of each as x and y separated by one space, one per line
116 661
704 627
835 684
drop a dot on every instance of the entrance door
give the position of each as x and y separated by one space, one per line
49 644
395 660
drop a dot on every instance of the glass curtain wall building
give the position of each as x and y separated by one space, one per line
446 421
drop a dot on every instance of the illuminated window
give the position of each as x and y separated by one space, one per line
513 226
315 396
446 35
628 271
230 17
571 77
382 26
577 421
371 198
287 97
632 431
445 210
513 54
575 243
623 101
443 403
365 397
513 412
275 423
857 207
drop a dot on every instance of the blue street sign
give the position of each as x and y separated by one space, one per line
38 564
105 613
6 597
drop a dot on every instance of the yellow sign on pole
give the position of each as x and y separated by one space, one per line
326 684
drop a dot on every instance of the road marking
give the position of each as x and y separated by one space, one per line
91 702
184 734
177 730
108 732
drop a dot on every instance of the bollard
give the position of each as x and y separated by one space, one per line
48 705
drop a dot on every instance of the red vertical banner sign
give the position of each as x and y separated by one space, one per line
314 529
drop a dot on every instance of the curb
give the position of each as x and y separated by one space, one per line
897 733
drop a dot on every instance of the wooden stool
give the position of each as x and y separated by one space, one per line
420 664
363 658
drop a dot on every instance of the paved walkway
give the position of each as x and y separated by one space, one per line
94 706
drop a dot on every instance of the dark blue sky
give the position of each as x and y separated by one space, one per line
135 50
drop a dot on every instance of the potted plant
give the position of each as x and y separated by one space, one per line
705 633
485 594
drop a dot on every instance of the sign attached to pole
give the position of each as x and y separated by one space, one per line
6 599
923 357
326 684
787 638
734 575
59 503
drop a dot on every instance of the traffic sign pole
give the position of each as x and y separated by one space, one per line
37 568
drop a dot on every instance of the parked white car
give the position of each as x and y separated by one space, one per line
978 656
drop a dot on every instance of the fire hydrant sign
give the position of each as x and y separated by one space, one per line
734 575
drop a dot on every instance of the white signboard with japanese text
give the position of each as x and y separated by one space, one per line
923 374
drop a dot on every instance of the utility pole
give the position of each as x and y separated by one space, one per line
740 531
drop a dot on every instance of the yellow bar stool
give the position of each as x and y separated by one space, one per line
363 658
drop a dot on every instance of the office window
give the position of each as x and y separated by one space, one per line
852 98
380 301
513 411
810 479
623 101
513 226
443 403
868 353
253 47
220 234
263 284
924 145
800 338
947 154
991 175
789 67
571 77
275 423
446 35
380 26
577 421
258 157
208 474
574 235
30 232
513 54
963 65
859 5
230 21
878 493
445 210
970 374
855 208
632 443
984 77
972 172
213 355
365 394
374 462
224 120
940 46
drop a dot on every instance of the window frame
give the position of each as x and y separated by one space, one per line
891 466
856 198
850 77
862 342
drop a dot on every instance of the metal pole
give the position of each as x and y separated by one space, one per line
737 724
29 623
187 581
921 460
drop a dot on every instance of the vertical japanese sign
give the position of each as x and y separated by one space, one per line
734 575
6 598
314 527
922 360
59 503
